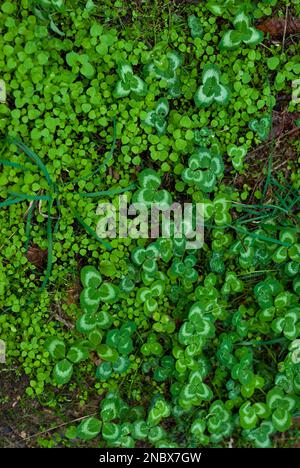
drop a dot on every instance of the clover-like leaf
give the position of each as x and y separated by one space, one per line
89 428
107 353
104 371
197 430
95 290
219 421
232 284
161 409
86 323
243 32
140 430
55 347
108 292
289 325
129 82
152 346
122 363
110 408
195 26
212 90
156 118
166 66
195 392
250 414
111 431
237 155
205 167
62 372
77 354
147 259
90 277
261 435
261 127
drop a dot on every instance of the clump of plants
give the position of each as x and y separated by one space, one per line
181 346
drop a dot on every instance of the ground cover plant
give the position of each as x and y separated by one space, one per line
139 342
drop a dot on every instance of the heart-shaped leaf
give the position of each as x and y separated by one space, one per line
62 372
55 347
89 428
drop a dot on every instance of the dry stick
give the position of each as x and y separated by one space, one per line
58 316
64 322
30 205
258 182
277 139
280 165
285 27
57 427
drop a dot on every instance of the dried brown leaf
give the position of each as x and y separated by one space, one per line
276 26
37 256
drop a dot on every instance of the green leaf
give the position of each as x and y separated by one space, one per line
86 323
104 371
282 420
95 337
90 277
156 434
195 26
111 431
107 353
110 408
273 62
149 179
121 90
107 268
90 300
124 69
89 428
140 430
104 319
243 33
77 354
62 372
230 40
160 410
261 127
108 292
248 416
211 90
138 255
121 364
87 70
71 432
55 347
138 86
162 107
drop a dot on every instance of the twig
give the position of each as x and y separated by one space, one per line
28 209
57 427
276 140
285 27
65 322
280 165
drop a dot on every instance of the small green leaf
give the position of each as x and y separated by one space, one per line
107 353
89 428
62 372
56 348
